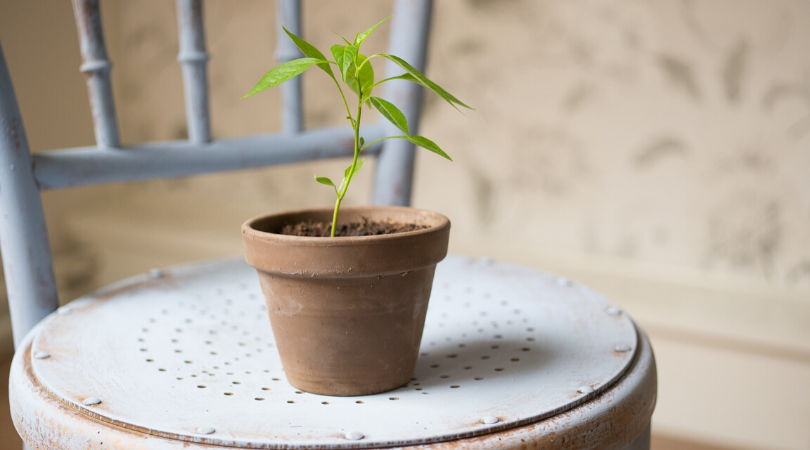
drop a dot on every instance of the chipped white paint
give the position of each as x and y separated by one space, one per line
498 339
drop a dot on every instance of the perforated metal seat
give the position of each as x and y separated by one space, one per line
184 357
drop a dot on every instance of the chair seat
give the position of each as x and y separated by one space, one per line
185 358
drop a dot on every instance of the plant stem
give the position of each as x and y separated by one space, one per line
356 125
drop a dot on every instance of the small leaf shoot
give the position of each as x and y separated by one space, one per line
357 73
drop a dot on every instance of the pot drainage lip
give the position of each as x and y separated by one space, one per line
503 346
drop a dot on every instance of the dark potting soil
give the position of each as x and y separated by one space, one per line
364 227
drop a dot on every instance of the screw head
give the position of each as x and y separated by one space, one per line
354 435
90 401
621 348
206 430
155 274
614 311
42 355
489 420
563 282
585 390
64 311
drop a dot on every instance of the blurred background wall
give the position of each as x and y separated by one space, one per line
656 150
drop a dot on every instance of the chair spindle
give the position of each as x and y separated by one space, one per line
194 58
288 14
24 243
408 40
96 68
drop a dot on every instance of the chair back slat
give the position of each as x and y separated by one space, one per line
288 14
194 59
83 166
23 239
96 67
409 38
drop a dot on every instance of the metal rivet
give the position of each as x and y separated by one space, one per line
63 311
585 390
206 430
354 435
90 401
614 311
563 282
489 420
621 348
155 274
42 355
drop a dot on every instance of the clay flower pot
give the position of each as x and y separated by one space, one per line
347 312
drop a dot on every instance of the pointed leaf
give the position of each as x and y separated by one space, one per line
426 144
404 76
362 36
344 57
366 78
310 52
282 73
344 39
392 113
424 81
324 180
356 169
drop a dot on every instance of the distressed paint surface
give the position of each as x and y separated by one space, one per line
499 340
27 263
611 418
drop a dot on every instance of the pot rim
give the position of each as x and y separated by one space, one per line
250 232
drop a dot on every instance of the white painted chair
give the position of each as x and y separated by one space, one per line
184 358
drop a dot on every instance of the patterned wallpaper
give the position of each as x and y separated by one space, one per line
674 132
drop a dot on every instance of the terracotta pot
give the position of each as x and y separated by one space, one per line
347 313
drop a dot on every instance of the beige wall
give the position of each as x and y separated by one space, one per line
656 150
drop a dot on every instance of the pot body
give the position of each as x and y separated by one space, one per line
348 312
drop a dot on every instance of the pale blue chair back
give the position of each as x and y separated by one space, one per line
24 243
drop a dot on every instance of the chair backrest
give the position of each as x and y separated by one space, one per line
23 238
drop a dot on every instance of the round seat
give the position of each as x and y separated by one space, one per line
185 358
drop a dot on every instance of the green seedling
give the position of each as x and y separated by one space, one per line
357 73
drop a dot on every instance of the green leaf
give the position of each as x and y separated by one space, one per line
344 39
426 144
282 73
362 141
392 113
424 81
324 180
310 52
344 57
404 76
356 169
366 78
362 36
